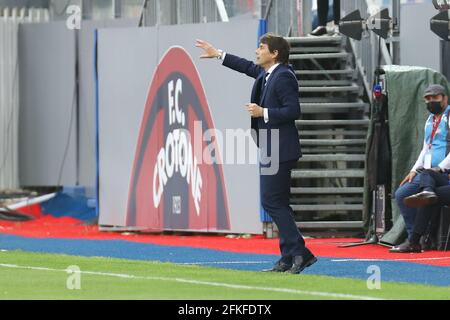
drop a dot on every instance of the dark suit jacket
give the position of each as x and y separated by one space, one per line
281 97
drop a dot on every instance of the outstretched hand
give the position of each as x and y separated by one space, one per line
209 50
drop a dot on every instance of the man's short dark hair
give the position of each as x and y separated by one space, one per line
277 43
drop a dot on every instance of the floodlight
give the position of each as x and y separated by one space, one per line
440 25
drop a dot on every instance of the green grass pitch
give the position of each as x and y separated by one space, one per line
44 276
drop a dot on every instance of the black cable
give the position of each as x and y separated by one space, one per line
13 215
75 102
69 135
379 52
144 9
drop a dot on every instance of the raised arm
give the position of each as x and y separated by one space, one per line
231 61
242 65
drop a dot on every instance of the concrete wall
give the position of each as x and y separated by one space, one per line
48 95
87 118
419 45
48 105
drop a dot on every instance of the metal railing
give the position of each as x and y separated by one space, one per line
168 12
159 12
287 17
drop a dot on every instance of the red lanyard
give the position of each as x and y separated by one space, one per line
436 123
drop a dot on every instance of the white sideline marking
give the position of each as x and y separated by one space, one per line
205 283
379 260
224 262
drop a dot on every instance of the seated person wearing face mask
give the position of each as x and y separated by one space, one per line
435 156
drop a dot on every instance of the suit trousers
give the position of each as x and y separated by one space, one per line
275 199
409 214
322 11
426 215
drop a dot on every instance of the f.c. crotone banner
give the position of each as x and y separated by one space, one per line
176 184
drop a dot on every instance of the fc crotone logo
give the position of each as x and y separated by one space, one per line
174 184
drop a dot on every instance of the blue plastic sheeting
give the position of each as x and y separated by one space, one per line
65 205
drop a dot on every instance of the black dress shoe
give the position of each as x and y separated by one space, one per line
302 262
427 243
407 247
319 31
280 266
422 199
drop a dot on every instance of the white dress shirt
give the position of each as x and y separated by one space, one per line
272 69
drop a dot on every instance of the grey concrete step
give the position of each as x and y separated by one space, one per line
324 83
332 111
333 157
322 191
336 199
327 99
332 122
330 225
318 133
336 149
328 92
328 207
332 142
316 49
325 72
318 89
332 107
319 56
335 105
312 39
324 174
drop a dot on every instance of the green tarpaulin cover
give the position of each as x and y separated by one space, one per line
407 116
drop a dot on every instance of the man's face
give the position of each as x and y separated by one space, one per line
442 99
264 57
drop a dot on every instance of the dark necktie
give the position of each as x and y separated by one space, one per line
266 76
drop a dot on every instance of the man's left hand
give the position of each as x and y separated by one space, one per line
255 110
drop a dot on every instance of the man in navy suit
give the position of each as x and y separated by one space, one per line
274 108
